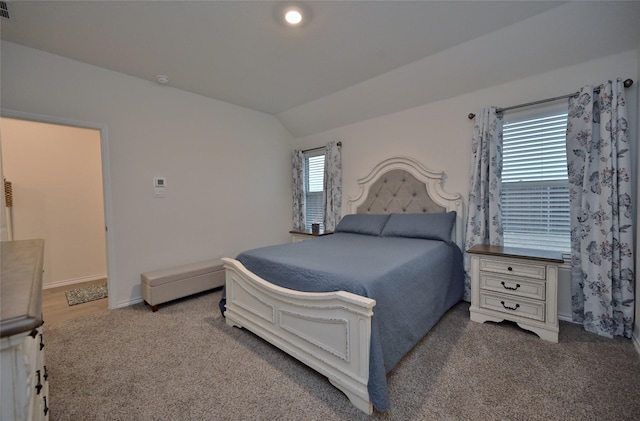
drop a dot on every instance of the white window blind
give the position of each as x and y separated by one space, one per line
535 187
314 169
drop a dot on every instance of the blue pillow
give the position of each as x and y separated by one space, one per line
368 224
430 226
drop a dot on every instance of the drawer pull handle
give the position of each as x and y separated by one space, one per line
39 385
511 288
46 373
509 308
46 407
41 342
509 268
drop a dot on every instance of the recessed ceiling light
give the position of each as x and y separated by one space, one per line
292 13
293 16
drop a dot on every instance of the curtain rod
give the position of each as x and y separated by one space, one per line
627 83
318 148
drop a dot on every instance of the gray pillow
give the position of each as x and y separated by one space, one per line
430 226
368 224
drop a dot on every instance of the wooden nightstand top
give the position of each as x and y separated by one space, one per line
309 233
517 252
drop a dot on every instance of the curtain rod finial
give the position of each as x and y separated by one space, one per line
471 116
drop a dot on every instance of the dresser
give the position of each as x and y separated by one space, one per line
24 393
516 284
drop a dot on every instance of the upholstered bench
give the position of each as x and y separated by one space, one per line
161 286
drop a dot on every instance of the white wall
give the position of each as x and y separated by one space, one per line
439 134
227 167
56 175
220 160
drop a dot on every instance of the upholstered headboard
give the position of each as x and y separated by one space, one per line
403 185
398 191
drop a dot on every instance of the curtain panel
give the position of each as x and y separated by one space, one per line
298 176
332 192
484 217
599 167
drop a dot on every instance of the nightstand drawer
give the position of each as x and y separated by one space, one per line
513 286
511 267
517 306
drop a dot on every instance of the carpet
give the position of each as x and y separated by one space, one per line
86 294
184 363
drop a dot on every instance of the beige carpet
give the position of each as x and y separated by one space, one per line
184 363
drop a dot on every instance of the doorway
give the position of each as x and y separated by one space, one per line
57 175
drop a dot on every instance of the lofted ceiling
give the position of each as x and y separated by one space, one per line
241 53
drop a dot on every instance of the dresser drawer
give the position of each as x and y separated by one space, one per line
513 286
517 306
511 267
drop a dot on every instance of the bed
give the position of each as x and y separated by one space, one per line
352 304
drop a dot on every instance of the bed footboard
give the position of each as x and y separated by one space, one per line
329 332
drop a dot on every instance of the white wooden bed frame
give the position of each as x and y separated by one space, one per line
329 332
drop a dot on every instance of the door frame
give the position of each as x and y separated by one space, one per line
106 182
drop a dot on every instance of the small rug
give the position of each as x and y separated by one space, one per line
86 294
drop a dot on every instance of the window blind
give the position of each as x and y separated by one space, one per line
535 188
315 185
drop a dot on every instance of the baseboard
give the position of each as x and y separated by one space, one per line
566 318
128 303
74 281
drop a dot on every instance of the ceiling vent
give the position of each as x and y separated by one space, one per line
4 10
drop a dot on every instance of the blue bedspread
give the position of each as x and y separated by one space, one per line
414 282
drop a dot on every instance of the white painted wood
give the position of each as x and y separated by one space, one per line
295 238
329 332
535 311
304 236
24 388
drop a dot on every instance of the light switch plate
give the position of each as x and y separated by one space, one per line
159 186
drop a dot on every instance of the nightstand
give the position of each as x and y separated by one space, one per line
516 284
302 235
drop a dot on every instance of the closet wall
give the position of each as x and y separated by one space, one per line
56 176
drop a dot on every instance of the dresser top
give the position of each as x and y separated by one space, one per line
20 286
517 252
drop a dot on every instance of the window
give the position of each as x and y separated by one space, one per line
314 185
535 186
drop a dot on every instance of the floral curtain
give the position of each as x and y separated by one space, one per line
484 218
332 192
298 190
599 167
